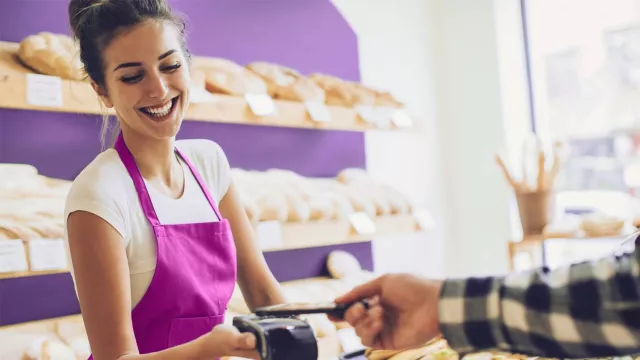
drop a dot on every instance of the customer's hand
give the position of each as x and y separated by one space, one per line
226 340
402 311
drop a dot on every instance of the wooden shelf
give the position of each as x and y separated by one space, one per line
20 274
325 233
79 97
301 235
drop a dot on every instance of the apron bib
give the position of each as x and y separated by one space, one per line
195 272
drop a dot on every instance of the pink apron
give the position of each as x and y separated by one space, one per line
194 277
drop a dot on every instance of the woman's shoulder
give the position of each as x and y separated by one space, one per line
104 174
203 153
102 188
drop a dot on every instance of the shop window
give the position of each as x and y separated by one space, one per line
584 67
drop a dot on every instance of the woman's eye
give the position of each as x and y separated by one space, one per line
172 68
131 79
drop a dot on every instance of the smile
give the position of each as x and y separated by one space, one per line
159 113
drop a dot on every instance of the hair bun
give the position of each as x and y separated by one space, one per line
77 11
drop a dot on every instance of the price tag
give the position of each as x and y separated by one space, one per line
362 223
199 95
424 219
401 119
269 234
47 254
318 111
367 114
12 256
44 90
381 117
261 104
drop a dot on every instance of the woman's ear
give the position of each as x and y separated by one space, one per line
102 93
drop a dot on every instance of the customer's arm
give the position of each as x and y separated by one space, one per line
591 309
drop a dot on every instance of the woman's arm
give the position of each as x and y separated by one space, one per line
259 286
102 280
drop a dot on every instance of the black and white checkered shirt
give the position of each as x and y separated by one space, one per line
590 309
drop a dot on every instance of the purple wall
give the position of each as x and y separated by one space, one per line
309 35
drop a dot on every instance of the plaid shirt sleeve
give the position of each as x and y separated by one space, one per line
590 309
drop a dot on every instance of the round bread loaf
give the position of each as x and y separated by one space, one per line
51 54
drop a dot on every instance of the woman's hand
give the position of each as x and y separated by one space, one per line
226 340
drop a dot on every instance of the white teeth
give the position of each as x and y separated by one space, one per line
160 111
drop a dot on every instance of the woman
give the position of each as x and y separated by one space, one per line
154 260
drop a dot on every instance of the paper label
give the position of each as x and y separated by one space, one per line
401 119
47 254
367 113
349 340
362 223
261 104
318 111
269 234
12 256
381 117
424 219
44 90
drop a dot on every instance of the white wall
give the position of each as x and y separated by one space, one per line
395 56
458 66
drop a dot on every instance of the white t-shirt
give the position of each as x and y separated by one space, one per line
105 189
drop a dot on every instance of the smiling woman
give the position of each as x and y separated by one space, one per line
149 218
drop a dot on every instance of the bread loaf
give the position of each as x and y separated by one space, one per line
298 209
337 91
17 232
286 83
340 92
273 207
387 100
359 201
350 175
49 349
398 203
47 229
223 76
51 54
363 95
341 264
275 76
321 206
341 205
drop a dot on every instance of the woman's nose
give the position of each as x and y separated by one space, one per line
156 86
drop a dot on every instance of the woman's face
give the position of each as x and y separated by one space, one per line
147 79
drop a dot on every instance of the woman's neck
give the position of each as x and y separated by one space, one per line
156 160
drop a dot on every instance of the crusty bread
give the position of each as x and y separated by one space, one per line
223 76
337 91
49 349
387 100
51 54
275 76
286 83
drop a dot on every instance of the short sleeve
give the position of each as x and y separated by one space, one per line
101 196
213 165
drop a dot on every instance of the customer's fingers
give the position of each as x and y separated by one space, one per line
355 314
363 291
370 326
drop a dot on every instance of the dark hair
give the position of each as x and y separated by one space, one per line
96 22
